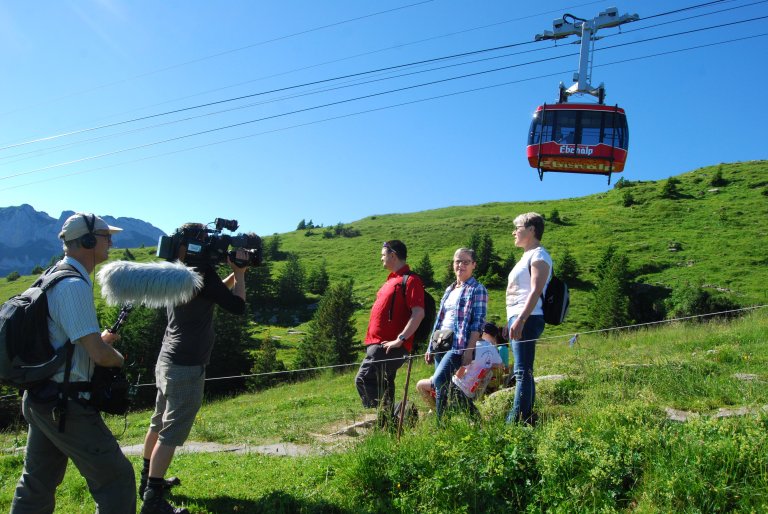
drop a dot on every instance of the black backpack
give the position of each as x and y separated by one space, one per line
430 312
26 354
555 301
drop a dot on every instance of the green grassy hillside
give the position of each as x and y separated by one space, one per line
711 236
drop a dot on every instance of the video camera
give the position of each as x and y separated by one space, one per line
209 246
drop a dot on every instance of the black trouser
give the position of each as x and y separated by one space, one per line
375 379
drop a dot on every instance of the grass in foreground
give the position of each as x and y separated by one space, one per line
604 443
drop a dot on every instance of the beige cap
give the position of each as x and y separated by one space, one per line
77 226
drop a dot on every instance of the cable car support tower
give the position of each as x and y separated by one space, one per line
587 29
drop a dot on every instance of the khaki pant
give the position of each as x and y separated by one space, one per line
93 450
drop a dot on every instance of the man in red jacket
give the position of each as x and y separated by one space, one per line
395 316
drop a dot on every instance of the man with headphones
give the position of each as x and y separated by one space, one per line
82 436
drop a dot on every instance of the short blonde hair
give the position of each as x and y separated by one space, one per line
470 251
532 219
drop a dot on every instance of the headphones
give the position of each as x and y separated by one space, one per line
88 241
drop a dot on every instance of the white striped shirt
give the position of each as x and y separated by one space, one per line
72 315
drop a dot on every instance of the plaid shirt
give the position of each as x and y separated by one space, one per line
470 311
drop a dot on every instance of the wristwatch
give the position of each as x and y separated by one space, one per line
401 337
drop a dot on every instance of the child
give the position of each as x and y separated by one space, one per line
473 378
470 381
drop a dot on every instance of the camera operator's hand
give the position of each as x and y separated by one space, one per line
240 255
236 280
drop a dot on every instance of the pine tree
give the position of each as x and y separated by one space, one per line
331 336
605 261
259 286
610 301
231 355
264 362
272 248
475 241
450 275
425 271
567 269
290 283
318 280
509 263
485 256
302 225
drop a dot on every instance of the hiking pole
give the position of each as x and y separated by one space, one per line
405 397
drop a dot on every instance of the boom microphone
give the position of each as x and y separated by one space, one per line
154 284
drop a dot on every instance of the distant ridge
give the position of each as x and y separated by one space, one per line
28 238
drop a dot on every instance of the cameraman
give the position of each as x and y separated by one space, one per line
180 374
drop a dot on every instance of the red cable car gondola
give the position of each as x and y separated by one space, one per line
591 138
578 138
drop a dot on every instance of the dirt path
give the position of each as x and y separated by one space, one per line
340 436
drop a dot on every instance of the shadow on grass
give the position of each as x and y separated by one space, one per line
275 502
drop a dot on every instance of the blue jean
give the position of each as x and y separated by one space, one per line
524 352
445 366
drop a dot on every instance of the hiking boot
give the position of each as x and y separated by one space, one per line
155 503
169 482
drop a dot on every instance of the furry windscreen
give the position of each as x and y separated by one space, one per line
154 284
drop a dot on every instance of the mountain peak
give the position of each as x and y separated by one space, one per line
29 238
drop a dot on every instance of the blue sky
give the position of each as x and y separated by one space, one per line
75 65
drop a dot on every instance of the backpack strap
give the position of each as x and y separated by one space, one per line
55 274
546 284
392 303
50 278
64 387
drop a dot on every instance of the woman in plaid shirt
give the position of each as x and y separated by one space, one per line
462 310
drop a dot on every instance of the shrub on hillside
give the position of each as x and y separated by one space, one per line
12 276
717 179
689 300
669 190
627 199
265 362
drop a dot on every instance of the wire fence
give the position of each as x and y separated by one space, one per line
571 338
